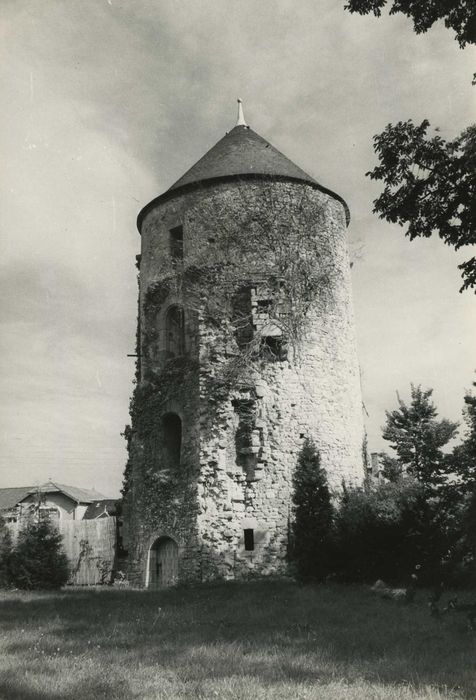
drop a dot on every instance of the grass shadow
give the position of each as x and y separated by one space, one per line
275 633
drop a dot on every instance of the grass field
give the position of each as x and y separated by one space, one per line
249 641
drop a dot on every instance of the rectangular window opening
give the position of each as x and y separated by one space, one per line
176 242
273 347
249 539
263 305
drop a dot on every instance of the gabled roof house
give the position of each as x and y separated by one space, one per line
59 500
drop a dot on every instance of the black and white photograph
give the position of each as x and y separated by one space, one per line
238 333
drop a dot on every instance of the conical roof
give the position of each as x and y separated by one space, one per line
240 153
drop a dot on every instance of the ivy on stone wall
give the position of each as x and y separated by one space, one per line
256 261
269 239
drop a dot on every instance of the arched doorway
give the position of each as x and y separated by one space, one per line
163 563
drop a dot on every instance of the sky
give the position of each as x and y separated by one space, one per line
105 103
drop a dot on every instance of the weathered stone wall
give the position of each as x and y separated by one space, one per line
239 447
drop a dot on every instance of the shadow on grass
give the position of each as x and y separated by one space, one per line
13 688
271 631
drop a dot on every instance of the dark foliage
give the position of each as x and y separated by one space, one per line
470 528
463 459
430 185
5 553
37 559
127 476
385 531
459 15
421 514
391 468
311 530
370 536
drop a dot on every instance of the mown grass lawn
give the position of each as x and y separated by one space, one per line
250 641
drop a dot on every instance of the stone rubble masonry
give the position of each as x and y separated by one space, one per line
222 488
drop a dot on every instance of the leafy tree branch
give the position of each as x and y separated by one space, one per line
459 15
440 197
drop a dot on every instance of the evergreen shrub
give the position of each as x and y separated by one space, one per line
311 532
38 559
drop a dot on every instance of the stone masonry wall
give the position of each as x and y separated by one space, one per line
239 448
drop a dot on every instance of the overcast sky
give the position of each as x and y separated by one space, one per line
105 103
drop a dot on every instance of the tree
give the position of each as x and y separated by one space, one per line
459 15
38 559
463 463
313 516
464 455
391 468
430 185
381 532
418 438
5 553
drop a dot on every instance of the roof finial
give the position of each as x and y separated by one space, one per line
241 117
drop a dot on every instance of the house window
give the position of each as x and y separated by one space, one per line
49 513
175 331
249 539
172 440
176 242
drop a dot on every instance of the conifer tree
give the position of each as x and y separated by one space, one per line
313 516
38 559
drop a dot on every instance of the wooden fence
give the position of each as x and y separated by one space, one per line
90 546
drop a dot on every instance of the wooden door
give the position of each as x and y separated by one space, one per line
163 563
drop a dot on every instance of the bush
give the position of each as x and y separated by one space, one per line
371 536
38 559
386 530
5 554
463 554
310 543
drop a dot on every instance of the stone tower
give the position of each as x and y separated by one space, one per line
245 347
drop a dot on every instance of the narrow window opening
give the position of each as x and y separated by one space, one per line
172 434
175 332
176 242
246 411
242 316
249 539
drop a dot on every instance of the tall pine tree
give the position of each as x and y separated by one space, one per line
313 516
